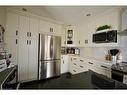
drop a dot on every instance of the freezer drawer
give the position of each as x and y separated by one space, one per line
48 69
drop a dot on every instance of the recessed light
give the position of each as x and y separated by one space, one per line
88 14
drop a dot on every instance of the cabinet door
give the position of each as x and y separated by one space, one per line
11 25
64 64
23 60
34 27
23 26
12 48
33 59
43 26
63 41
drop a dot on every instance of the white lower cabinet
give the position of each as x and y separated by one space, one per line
64 64
23 60
77 65
100 68
27 59
33 60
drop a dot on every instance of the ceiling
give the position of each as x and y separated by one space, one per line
66 14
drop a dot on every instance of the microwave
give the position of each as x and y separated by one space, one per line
105 37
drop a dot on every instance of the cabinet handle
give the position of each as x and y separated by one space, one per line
81 66
16 41
74 63
104 66
27 42
51 29
63 61
81 60
30 34
27 34
74 70
90 63
16 32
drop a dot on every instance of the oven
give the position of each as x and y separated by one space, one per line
117 75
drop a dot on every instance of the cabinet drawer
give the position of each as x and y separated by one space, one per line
75 71
73 65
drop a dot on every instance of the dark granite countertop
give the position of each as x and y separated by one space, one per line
85 80
5 74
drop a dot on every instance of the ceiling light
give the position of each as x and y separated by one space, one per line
88 14
24 9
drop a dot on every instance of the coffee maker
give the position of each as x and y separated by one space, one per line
115 54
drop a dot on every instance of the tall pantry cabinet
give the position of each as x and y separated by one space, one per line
24 39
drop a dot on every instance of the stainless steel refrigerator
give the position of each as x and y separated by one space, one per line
49 56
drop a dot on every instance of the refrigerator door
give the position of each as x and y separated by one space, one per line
56 47
49 69
49 47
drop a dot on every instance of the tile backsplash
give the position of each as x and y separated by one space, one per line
99 52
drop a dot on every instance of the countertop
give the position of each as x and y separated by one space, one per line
85 80
5 74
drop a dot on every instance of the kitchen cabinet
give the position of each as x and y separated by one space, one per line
71 36
64 64
12 25
49 28
63 37
28 46
22 42
100 68
23 60
77 65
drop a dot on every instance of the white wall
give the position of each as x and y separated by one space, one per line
110 17
2 20
2 16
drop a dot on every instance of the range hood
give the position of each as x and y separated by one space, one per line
123 33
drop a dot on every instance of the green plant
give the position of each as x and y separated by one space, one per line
103 27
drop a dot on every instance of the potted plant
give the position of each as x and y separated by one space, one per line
103 28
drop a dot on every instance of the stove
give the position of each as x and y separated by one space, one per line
120 67
119 72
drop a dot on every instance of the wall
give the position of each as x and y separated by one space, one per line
110 17
2 16
2 21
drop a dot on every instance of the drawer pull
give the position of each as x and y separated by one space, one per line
81 60
104 66
74 70
90 63
74 58
81 66
74 63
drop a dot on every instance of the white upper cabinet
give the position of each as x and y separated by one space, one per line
33 59
71 36
43 26
12 25
124 20
34 28
49 28
23 26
